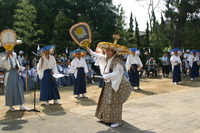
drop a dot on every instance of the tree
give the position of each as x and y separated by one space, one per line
180 12
24 22
130 33
146 41
61 36
7 8
131 23
137 35
120 28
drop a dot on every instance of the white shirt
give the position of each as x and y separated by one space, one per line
20 59
47 64
6 63
77 63
117 73
193 58
133 60
100 60
173 60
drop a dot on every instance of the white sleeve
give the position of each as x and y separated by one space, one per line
85 67
128 65
97 55
5 63
40 69
72 68
140 62
54 69
115 76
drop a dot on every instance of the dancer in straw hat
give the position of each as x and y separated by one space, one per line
116 88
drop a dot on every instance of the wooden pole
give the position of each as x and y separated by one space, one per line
27 77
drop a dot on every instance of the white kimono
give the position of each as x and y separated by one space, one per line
76 63
47 64
6 63
100 60
173 60
115 76
133 60
191 59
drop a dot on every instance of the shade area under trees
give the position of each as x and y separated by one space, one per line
47 22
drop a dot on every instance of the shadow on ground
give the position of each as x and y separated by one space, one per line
86 101
53 111
187 82
13 121
145 92
124 128
14 115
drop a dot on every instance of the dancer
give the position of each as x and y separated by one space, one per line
116 88
79 69
14 92
194 62
176 65
46 67
133 65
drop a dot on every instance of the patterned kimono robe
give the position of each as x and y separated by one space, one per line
115 92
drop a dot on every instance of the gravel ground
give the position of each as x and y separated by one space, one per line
150 86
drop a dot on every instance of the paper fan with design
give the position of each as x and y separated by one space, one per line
81 34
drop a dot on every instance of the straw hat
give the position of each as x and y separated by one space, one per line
119 49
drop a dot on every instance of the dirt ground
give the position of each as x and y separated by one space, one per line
150 86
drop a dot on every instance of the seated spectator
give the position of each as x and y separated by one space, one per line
151 67
60 81
63 58
89 61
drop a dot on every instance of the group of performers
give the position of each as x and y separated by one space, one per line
178 65
116 88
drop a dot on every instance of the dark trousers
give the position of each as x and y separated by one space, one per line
153 70
165 70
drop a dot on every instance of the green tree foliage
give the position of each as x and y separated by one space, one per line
101 15
24 22
137 35
146 41
180 12
120 28
60 33
191 35
130 33
131 23
7 8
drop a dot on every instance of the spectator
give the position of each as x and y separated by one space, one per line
151 67
165 65
21 57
